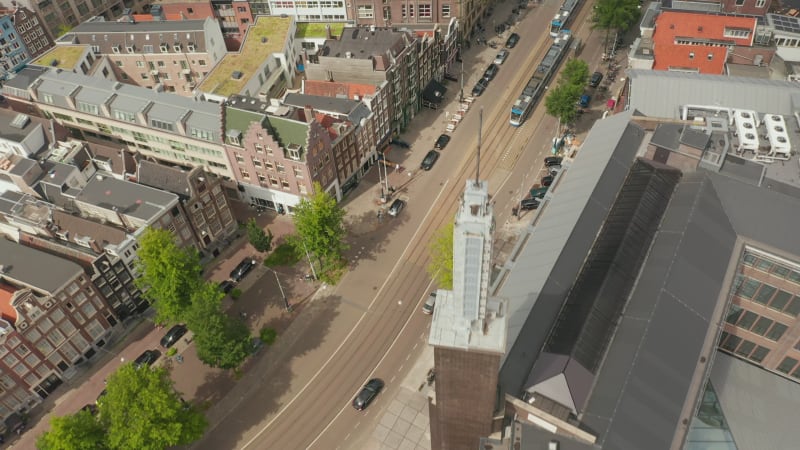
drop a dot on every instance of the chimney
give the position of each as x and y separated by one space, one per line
308 111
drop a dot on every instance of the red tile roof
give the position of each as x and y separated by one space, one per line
337 89
708 50
150 18
6 310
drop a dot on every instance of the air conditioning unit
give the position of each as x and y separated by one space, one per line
48 304
190 47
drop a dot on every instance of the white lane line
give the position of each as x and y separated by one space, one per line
410 316
363 315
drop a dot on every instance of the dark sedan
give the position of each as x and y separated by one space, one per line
147 358
441 142
242 269
368 394
479 87
172 336
429 160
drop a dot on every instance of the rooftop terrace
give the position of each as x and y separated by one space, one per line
317 30
265 37
62 56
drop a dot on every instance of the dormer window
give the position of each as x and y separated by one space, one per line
190 47
293 152
115 48
129 49
177 48
164 48
234 137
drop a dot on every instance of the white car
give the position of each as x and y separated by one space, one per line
501 57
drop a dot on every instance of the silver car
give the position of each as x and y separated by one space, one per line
501 57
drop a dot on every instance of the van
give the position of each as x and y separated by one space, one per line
430 303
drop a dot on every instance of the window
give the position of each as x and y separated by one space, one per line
88 108
761 326
176 48
734 314
776 332
794 307
280 168
162 125
119 63
446 11
244 173
780 300
787 365
164 48
765 294
764 265
125 116
201 134
425 10
129 48
410 10
748 320
745 348
760 3
739 2
365 12
748 288
387 14
115 49
47 98
139 63
731 343
147 48
759 354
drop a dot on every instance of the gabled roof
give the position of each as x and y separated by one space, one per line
7 312
706 32
289 132
160 176
35 268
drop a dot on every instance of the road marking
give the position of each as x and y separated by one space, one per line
396 338
347 338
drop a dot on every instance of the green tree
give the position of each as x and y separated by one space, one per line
575 72
79 431
142 411
220 341
615 15
319 222
440 266
168 274
560 102
258 238
62 30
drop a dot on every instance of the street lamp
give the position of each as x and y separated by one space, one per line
461 95
285 300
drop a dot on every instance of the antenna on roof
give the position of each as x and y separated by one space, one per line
478 159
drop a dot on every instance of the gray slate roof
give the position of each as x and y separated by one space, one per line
160 176
35 268
164 26
760 95
127 198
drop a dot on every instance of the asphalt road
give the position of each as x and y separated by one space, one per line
370 324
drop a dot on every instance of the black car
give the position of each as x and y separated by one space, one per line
441 142
147 358
529 203
479 87
242 269
367 394
595 80
226 286
396 207
547 180
172 336
491 72
429 160
552 161
512 40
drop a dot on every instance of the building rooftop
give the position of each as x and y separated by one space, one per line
321 103
79 228
64 57
34 268
265 37
288 131
240 119
686 89
24 78
132 199
310 30
166 178
362 43
164 26
338 89
9 126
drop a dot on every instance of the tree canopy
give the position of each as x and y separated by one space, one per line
440 266
220 341
561 101
319 222
142 411
79 431
575 72
261 241
616 15
168 274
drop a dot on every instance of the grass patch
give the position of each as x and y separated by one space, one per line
283 255
236 293
172 352
268 335
317 30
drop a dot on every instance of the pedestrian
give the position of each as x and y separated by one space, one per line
515 211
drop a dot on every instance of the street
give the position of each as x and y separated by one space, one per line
370 324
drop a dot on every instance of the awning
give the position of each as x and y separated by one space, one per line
434 92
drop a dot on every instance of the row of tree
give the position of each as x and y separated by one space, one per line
141 410
561 101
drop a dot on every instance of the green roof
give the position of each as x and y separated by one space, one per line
249 57
317 30
289 131
65 56
238 119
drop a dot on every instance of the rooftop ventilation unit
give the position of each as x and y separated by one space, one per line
237 75
780 147
746 130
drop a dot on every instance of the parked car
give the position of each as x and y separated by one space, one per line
172 336
367 394
538 192
553 161
441 142
585 100
396 207
490 72
529 203
595 80
512 40
147 358
242 269
479 87
429 160
501 57
547 180
226 286
430 303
